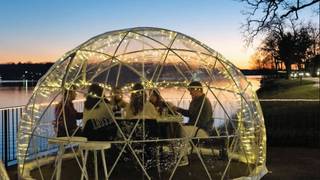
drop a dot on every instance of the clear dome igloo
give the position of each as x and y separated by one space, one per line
162 60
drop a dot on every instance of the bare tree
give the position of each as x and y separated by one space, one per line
256 61
314 33
262 60
288 47
270 47
266 15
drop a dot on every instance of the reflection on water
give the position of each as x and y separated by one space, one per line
14 96
17 96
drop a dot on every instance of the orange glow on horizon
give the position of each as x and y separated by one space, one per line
241 61
33 58
38 53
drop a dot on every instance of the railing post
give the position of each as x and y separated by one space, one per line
5 121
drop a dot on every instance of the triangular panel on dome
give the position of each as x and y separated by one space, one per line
124 158
169 73
173 69
107 43
185 43
199 65
54 77
137 43
118 75
94 72
239 79
48 91
146 64
222 78
165 37
93 64
73 73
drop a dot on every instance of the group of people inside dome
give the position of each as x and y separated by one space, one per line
100 113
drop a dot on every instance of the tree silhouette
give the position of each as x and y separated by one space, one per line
287 50
262 60
270 47
263 16
303 42
289 47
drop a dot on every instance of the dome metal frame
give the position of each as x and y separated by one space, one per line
159 59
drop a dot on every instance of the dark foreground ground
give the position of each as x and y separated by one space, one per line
284 163
293 163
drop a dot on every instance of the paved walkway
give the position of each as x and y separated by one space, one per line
284 163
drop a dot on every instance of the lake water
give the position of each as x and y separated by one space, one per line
17 96
14 96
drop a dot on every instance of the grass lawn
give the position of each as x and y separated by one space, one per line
291 123
289 89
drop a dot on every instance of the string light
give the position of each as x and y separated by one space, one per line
158 66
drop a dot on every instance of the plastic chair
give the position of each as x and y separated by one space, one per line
62 141
94 146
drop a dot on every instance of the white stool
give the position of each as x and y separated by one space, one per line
62 141
94 146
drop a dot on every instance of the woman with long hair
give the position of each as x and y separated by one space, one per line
67 115
156 99
163 107
139 107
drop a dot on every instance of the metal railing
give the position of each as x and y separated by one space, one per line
9 118
9 123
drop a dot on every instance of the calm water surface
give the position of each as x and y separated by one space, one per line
17 96
14 96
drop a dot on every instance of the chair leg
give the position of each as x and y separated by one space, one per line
104 164
60 154
84 169
95 165
158 161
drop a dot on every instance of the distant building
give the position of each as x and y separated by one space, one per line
313 65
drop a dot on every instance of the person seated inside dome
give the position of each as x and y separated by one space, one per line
200 116
117 103
158 102
97 116
163 107
200 109
139 107
66 116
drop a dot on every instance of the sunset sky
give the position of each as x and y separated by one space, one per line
43 30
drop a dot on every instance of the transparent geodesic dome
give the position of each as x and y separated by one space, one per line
162 60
